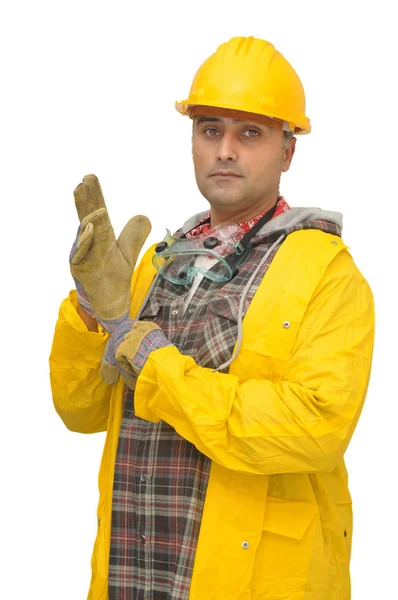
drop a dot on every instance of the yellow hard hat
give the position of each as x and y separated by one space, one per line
250 75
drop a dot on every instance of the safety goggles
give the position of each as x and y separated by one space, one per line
215 254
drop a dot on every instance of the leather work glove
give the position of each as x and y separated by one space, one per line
130 351
109 370
101 265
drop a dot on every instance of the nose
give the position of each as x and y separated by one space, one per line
226 148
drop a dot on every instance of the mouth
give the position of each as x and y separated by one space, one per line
226 174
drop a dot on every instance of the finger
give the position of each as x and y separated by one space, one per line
127 372
83 243
88 196
133 237
109 373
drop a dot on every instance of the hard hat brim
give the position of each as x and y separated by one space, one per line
191 110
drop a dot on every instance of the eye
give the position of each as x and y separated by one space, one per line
210 131
251 133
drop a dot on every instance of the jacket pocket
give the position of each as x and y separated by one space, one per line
291 538
290 519
219 333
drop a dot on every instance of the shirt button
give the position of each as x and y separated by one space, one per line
174 312
286 324
190 311
245 545
144 478
142 538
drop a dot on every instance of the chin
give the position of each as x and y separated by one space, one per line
223 198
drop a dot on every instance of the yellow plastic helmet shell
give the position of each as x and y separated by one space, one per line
250 75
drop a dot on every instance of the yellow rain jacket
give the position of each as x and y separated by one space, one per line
277 520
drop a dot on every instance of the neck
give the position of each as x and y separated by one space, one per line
219 217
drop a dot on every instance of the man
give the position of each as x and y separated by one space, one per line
230 374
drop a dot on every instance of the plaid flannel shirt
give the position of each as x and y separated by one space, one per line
160 478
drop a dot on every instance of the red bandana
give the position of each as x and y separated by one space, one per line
281 207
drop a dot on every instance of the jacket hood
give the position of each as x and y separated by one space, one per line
289 221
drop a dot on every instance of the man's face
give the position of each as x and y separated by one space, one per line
238 164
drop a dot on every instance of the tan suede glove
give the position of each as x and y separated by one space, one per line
131 350
101 265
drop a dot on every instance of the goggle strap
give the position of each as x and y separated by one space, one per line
244 246
260 223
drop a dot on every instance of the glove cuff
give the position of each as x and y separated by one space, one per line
83 299
152 341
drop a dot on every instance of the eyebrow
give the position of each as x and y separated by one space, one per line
204 119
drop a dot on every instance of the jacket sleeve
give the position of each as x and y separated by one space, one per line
300 424
80 396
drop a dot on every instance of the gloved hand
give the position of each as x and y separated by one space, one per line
128 348
101 265
109 370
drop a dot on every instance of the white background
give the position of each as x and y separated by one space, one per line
89 87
